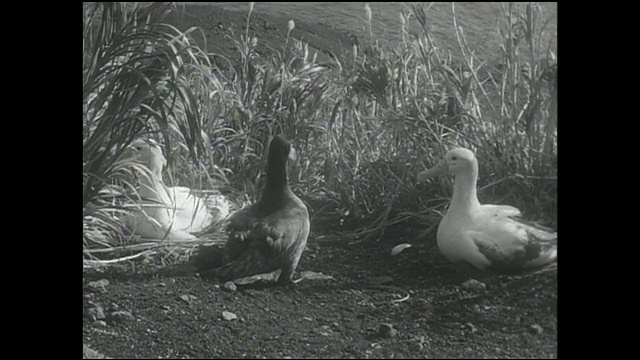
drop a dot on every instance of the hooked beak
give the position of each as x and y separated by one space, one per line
439 169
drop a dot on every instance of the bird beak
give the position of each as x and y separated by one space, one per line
439 169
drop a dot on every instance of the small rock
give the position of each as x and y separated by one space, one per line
387 331
99 324
120 316
471 327
99 286
416 346
188 298
100 313
93 304
113 307
324 330
96 313
88 353
229 286
474 285
536 329
229 315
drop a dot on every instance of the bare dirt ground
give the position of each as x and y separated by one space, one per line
343 317
433 316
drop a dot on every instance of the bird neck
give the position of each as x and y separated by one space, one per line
465 196
151 186
277 186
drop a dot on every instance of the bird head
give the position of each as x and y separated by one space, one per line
281 150
458 160
147 153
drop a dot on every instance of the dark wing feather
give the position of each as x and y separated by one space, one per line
537 249
239 228
264 245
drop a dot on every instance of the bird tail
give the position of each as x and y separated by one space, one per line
545 258
547 244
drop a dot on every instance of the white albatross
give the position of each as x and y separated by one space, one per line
171 213
486 236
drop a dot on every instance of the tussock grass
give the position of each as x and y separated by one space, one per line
364 125
140 78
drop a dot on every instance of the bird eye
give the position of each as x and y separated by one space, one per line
454 158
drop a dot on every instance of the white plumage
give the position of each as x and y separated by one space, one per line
172 213
486 236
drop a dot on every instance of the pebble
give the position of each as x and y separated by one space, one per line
99 285
96 313
324 330
99 324
471 327
229 286
474 285
188 298
100 313
120 316
387 331
227 315
88 353
536 329
416 346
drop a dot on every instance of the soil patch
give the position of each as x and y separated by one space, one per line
343 317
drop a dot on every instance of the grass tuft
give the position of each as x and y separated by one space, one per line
364 126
